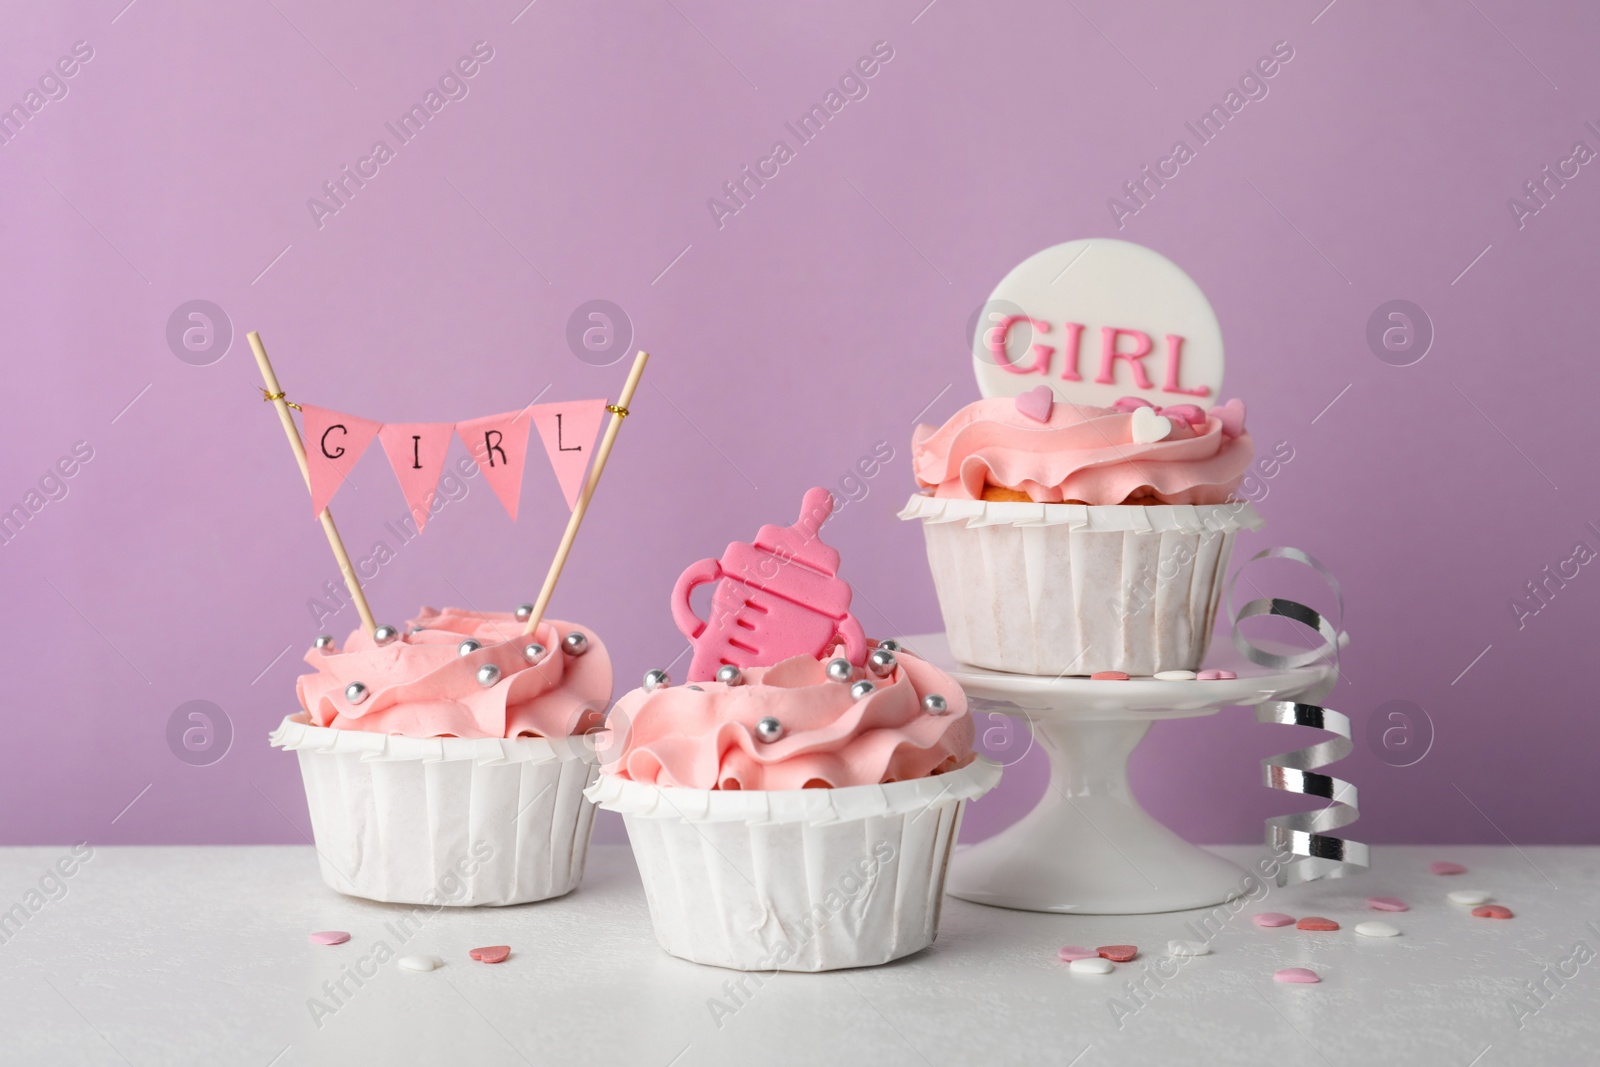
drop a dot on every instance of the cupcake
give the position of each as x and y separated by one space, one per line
1067 539
448 763
796 811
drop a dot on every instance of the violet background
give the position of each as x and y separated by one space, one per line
822 318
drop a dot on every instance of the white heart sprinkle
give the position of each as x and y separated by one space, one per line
1187 948
1377 929
1470 897
1148 427
420 963
1175 676
1092 965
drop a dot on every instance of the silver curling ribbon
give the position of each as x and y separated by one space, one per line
1304 835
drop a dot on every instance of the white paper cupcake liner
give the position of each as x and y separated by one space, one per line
445 820
795 880
1058 589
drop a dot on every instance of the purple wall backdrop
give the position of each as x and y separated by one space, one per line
820 318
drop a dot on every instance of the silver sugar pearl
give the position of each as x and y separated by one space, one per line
357 693
575 643
730 675
323 641
696 688
881 662
862 689
889 645
385 635
468 647
769 729
934 704
524 612
488 674
840 670
533 652
656 679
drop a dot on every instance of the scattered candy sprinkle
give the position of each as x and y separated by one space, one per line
491 954
1108 676
1446 867
1387 904
1092 965
1175 676
1273 918
1211 674
1468 896
329 937
1188 948
1377 929
1069 953
420 963
1118 953
1316 922
1492 911
1298 975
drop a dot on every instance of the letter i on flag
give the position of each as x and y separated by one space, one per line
499 444
417 452
334 441
568 431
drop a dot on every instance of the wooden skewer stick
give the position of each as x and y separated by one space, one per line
275 391
595 469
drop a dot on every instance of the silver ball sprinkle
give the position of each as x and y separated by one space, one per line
488 674
524 612
862 689
769 729
533 652
934 704
890 645
385 635
468 647
357 693
730 675
575 643
323 641
656 679
881 662
840 670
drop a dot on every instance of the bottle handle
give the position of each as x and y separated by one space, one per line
855 639
698 574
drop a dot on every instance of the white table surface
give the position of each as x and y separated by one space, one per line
199 955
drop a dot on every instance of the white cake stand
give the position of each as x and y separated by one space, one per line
1088 847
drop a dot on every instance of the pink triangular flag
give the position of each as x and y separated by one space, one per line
334 441
417 452
568 431
499 444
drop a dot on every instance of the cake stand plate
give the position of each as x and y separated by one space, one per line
1088 847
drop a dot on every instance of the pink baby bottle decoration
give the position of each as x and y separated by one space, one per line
778 597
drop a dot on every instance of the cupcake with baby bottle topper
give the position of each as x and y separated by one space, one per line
445 762
794 805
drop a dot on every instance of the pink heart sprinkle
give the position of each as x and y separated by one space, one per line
1108 676
1446 867
1128 403
1492 911
1212 674
491 954
1297 975
1387 904
1068 953
1273 918
329 937
1036 403
1231 415
1316 922
1119 953
1189 413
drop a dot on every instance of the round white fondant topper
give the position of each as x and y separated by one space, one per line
1096 320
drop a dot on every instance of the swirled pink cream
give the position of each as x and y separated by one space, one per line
419 685
707 738
1084 454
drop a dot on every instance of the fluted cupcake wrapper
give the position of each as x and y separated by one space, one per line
1053 589
781 881
453 821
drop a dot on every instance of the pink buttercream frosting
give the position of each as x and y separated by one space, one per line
420 686
1079 453
676 736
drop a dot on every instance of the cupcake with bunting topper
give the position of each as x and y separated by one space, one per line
1079 518
445 762
793 805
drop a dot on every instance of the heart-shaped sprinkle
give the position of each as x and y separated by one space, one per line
1316 922
1189 413
420 963
1188 948
1148 427
1298 976
1492 911
1212 674
1118 953
1470 897
1092 965
1108 676
1273 918
1175 676
1445 867
1377 929
1231 415
1126 404
1068 953
329 937
1387 904
491 954
1036 403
